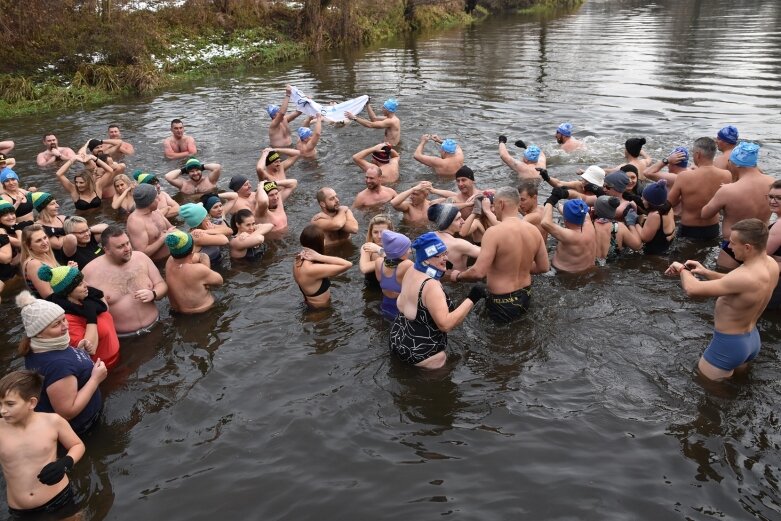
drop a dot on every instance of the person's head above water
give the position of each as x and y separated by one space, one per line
728 134
390 104
565 129
449 146
442 215
575 211
532 153
745 154
634 146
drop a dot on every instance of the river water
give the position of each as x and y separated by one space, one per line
586 409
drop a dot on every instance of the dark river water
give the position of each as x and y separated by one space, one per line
588 408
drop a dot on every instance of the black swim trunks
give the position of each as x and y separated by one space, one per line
508 307
699 233
59 507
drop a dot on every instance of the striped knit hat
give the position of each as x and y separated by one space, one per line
179 243
41 200
63 279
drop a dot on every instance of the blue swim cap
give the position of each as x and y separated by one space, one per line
565 129
449 146
304 132
745 154
685 152
575 211
728 134
532 153
6 174
390 105
272 110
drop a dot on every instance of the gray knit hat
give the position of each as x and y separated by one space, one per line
442 215
144 195
37 314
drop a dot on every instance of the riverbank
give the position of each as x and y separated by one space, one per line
75 59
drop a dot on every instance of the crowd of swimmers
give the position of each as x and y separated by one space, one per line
88 285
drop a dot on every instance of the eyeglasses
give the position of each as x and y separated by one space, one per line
80 232
776 198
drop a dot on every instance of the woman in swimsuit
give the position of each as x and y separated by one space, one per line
371 250
17 196
36 252
426 314
123 194
52 222
248 237
312 269
658 230
213 205
774 239
612 236
9 243
102 169
391 269
83 190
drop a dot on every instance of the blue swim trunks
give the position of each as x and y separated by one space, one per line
730 351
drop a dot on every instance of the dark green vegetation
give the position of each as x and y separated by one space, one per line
64 53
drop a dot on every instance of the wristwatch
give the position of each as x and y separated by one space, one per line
665 161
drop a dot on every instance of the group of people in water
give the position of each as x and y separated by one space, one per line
90 284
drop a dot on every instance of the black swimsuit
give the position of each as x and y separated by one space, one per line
24 208
81 204
324 285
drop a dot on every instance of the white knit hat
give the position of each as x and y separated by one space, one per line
37 314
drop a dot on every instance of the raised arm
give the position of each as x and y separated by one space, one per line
215 170
427 160
173 178
64 181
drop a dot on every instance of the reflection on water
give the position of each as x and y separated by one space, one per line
588 408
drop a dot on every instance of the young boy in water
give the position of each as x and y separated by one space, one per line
35 479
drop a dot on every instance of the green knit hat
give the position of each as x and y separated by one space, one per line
192 163
41 200
179 243
63 279
6 207
142 177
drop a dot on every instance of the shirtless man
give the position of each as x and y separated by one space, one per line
146 226
564 138
526 168
245 197
308 139
693 190
194 181
188 275
414 203
337 222
744 199
446 221
36 478
742 295
384 157
270 165
510 252
726 140
389 121
279 129
271 203
528 207
676 163
177 145
54 153
450 159
374 194
467 191
130 282
124 149
576 250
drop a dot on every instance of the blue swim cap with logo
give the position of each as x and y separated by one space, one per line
304 132
745 154
390 105
728 134
272 110
449 146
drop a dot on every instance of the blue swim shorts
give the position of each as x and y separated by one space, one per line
730 351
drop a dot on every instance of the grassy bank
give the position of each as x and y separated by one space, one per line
61 57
